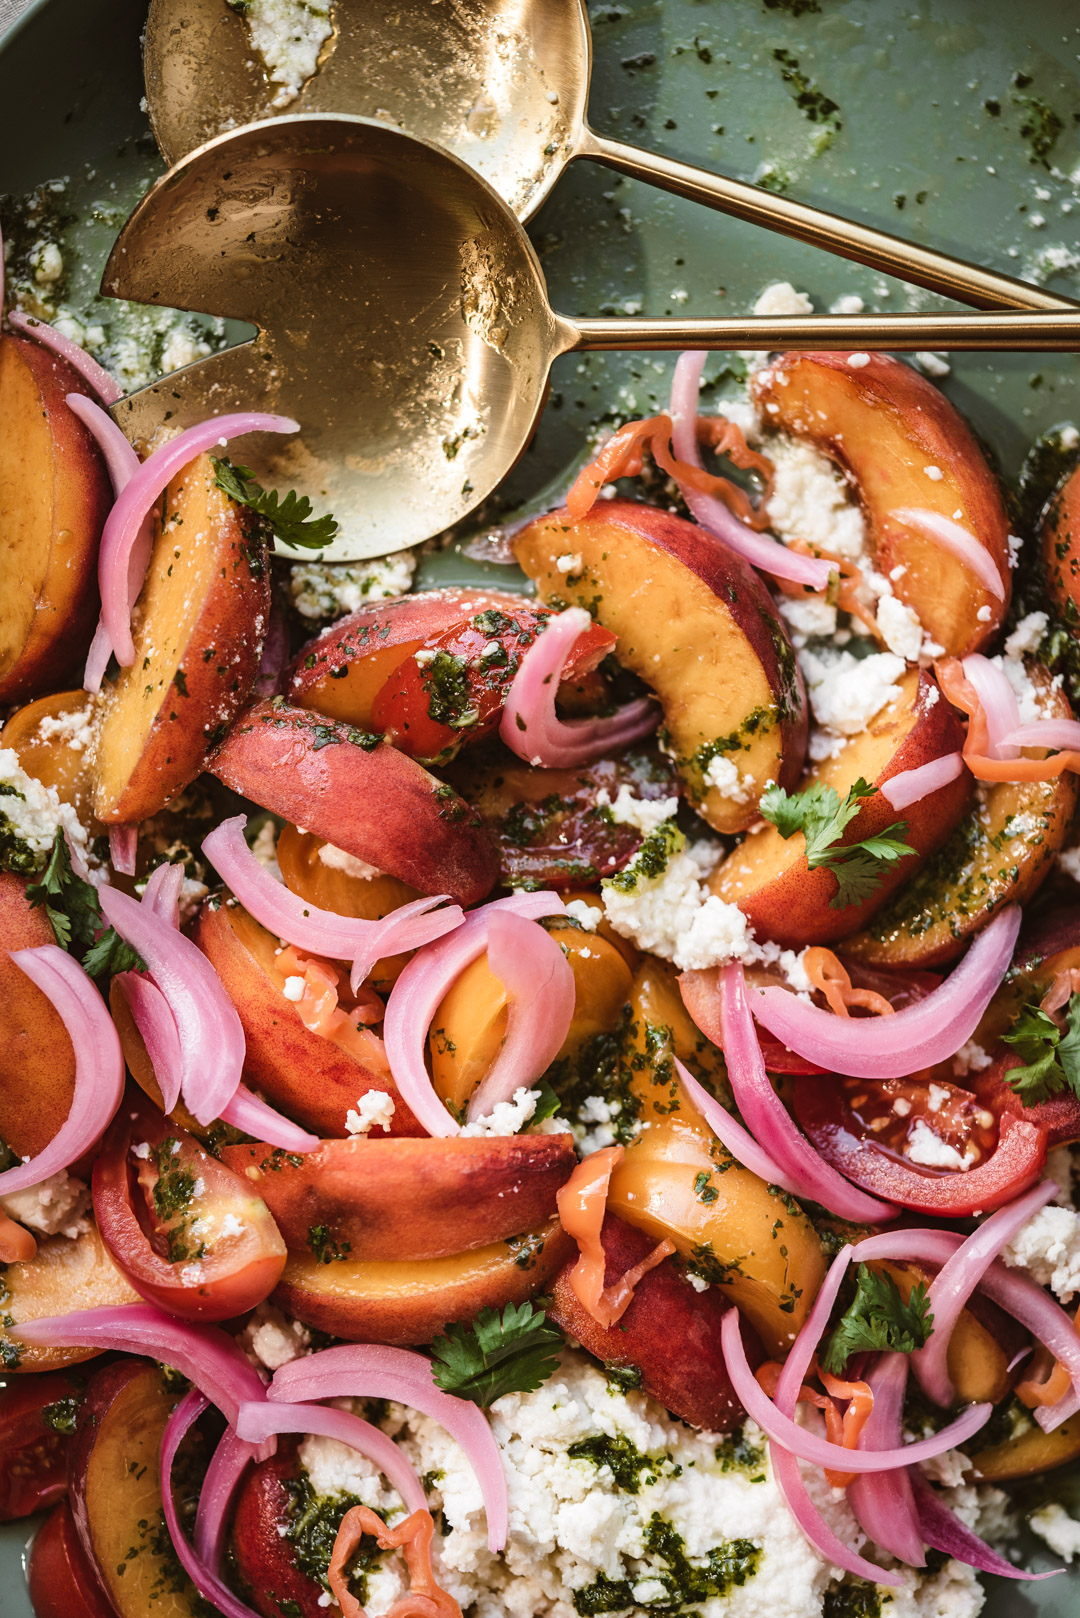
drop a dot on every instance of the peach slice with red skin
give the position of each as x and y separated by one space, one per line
61 1579
198 627
65 1274
312 1078
670 1333
903 447
55 494
410 1199
409 1301
361 794
1060 539
37 1075
265 1558
694 622
767 875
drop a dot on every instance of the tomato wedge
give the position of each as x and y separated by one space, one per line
37 1418
868 1130
1059 1115
452 690
189 1234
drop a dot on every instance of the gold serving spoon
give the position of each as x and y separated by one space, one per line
504 85
403 319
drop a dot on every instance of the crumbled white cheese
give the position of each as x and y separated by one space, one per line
294 989
937 1096
934 473
923 1146
339 860
264 848
1029 699
56 1207
781 299
321 590
1048 1248
272 1338
807 618
374 1109
858 361
706 853
970 1058
585 914
288 35
597 1112
669 914
74 729
1061 1532
182 347
30 813
230 1225
1027 637
846 692
570 563
932 364
811 501
723 774
900 628
849 303
644 814
507 1117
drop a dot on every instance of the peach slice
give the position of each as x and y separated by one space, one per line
1000 852
53 739
904 448
64 1275
413 1300
62 1581
314 1079
266 1560
1029 1454
198 626
696 623
983 1345
1060 539
362 795
138 1063
37 1068
409 1199
54 497
670 1333
768 877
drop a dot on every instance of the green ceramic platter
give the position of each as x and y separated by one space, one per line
954 121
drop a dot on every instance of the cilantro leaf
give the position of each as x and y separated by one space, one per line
878 1318
546 1107
1051 1059
823 817
512 1352
71 904
289 520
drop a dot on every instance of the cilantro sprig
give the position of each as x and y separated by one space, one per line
71 904
289 520
1051 1058
879 1319
823 817
512 1352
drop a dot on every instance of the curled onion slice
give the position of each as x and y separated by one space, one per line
957 1280
540 983
263 1418
911 785
1001 711
99 1063
807 1445
419 990
724 1017
161 892
123 847
106 387
152 1016
882 1501
211 1037
1056 733
125 520
712 514
530 726
343 938
202 1575
730 1133
917 1037
366 1370
227 1466
943 1529
963 545
206 1355
256 1117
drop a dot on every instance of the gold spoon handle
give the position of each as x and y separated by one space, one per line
1021 330
968 283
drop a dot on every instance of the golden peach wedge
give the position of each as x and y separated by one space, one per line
65 1274
53 739
694 622
1060 539
37 1061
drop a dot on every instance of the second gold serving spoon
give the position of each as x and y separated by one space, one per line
403 319
504 85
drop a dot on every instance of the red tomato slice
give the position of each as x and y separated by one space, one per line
63 1584
453 689
188 1233
867 1130
1059 1115
37 1415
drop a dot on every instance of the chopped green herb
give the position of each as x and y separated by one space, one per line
289 520
1051 1059
512 1352
822 818
877 1319
72 907
326 1248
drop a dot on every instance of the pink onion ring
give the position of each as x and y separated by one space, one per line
161 892
106 387
369 1371
152 1016
917 1037
256 1117
882 1501
343 938
227 1466
959 541
957 1280
262 1418
539 981
205 1581
758 549
808 1446
125 520
730 1133
766 1117
1048 733
99 1063
210 1033
123 847
419 990
530 726
943 1529
206 1355
912 785
998 700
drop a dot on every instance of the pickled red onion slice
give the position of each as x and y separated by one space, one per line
203 1577
123 847
882 1501
539 981
911 785
959 541
942 1529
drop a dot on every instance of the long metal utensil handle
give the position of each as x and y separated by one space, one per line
1042 332
938 272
